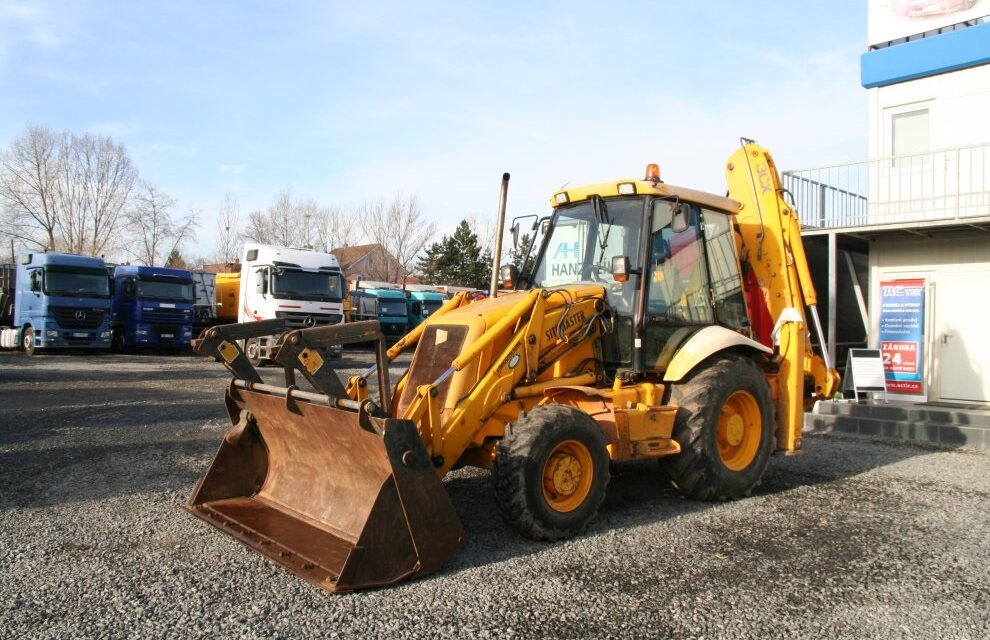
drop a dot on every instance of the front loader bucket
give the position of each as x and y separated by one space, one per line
343 500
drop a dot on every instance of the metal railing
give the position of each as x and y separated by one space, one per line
935 186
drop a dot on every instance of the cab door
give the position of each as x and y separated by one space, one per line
692 276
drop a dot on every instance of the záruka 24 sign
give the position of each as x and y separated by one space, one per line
902 334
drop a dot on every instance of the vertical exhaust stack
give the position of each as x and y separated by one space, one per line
497 254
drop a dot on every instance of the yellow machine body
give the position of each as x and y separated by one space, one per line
314 481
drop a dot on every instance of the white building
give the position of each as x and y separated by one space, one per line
902 241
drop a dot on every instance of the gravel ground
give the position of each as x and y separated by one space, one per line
97 453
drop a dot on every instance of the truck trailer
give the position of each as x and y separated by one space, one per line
56 301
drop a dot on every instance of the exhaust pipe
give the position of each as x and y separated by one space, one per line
497 254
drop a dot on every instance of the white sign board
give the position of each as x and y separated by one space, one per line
866 369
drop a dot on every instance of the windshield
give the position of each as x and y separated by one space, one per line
583 241
294 284
431 306
164 290
392 307
77 281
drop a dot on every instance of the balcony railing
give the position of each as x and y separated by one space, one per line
938 186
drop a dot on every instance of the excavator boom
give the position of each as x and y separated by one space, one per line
770 245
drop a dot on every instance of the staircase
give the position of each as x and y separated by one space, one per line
941 425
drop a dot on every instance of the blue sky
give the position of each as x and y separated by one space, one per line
349 102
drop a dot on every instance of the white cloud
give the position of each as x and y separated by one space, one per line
28 23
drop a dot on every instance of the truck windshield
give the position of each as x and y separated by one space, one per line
293 284
583 240
77 281
392 307
165 290
431 306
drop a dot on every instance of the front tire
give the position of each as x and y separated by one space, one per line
551 471
724 425
252 349
118 341
27 341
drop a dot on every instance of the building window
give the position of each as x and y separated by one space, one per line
909 138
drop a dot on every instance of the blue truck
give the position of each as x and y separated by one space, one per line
384 302
422 301
152 307
54 301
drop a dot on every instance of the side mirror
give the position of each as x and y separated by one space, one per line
129 288
620 268
682 218
515 235
261 286
416 308
545 226
508 274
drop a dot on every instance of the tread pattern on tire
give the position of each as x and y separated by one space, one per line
698 472
515 467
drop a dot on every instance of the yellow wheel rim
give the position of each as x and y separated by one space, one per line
567 476
739 429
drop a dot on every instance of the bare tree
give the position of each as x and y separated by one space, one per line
281 224
182 230
150 222
228 236
28 187
259 228
157 235
95 180
401 228
486 230
334 228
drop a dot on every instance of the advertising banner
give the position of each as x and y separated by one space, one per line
902 333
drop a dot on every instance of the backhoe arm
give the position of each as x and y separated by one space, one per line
772 248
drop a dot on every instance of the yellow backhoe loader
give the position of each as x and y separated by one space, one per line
653 321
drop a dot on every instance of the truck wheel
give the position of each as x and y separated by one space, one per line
118 341
550 472
252 349
724 425
27 341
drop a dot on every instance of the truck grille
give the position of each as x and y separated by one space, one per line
391 329
297 320
165 316
74 318
173 330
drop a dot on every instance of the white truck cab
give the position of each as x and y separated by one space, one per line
303 286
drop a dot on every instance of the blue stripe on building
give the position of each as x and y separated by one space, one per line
960 49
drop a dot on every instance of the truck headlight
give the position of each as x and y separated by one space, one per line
141 332
51 333
105 334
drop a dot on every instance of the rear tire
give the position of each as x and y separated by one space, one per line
551 471
27 341
725 426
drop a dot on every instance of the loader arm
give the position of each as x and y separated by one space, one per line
770 245
539 336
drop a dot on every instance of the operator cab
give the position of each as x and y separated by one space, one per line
665 255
